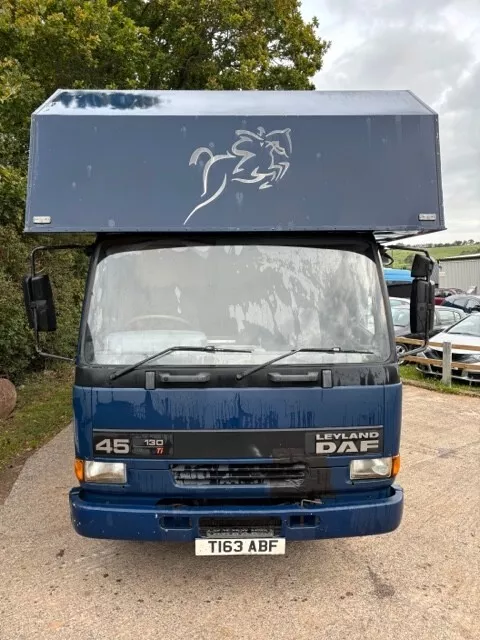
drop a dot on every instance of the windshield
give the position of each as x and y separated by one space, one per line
469 326
261 298
396 302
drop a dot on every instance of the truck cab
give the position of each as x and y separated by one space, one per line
236 381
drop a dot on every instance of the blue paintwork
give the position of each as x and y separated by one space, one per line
242 408
246 408
106 161
93 517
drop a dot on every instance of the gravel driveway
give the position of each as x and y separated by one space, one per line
420 582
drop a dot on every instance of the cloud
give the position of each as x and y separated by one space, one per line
395 11
387 61
461 160
431 47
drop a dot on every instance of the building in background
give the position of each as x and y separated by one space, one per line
461 272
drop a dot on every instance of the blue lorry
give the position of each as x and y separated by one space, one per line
236 381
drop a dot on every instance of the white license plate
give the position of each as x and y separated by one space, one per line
239 546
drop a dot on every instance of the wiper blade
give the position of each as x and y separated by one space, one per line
165 352
248 372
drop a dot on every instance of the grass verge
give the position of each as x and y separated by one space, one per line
410 375
44 407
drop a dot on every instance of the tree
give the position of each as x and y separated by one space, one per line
154 44
43 46
227 44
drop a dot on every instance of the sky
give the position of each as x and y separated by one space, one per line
431 47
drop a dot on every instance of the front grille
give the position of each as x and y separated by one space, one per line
239 527
274 474
456 357
461 357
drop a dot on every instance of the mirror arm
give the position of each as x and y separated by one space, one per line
402 247
426 336
405 247
413 352
52 356
54 247
38 349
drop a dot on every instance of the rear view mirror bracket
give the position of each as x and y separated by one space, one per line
422 296
38 298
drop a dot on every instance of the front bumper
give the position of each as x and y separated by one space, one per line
104 519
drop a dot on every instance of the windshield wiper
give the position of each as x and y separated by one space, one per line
244 374
164 352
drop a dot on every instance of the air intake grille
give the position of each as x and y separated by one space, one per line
271 474
456 357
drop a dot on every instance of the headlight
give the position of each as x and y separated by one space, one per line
473 358
104 472
374 468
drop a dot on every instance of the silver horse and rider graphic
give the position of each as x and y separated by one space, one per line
251 151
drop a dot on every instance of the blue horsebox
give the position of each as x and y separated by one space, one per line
236 380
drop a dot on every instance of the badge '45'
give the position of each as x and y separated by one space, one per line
113 445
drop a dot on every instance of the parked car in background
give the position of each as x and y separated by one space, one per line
441 294
399 302
467 303
465 333
444 318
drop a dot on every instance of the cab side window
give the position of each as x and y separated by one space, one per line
446 318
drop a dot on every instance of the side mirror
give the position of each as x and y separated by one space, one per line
38 297
422 267
422 306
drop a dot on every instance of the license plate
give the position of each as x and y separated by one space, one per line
239 546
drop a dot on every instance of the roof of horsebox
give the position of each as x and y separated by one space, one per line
170 161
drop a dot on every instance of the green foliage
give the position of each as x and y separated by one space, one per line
120 44
15 341
227 44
